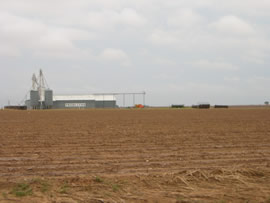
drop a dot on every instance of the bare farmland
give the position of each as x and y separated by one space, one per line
155 155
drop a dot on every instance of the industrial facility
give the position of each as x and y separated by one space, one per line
42 97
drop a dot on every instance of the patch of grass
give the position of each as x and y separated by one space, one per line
36 181
107 194
45 187
179 199
64 189
115 187
22 189
4 194
98 179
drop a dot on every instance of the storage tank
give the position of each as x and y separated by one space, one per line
48 99
34 99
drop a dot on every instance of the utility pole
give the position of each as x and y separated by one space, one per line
144 93
124 100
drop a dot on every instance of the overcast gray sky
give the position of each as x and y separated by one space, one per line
178 51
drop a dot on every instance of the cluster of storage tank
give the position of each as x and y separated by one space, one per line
38 101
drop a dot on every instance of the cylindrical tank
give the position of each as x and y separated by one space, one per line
34 99
48 98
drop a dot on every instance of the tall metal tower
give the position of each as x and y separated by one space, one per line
40 85
34 82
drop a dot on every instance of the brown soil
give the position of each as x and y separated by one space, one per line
144 155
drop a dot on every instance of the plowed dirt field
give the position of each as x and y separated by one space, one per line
128 155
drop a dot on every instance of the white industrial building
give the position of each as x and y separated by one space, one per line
41 97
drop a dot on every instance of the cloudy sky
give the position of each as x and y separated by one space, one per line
178 51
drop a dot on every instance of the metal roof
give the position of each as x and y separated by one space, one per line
84 97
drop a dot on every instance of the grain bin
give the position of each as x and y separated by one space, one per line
34 99
48 99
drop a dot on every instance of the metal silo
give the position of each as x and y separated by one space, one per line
34 99
48 102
